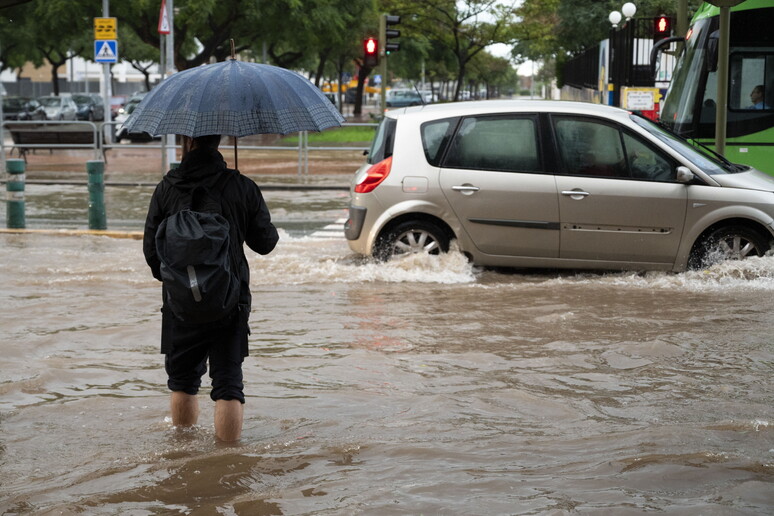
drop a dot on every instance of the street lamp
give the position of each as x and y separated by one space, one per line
619 49
628 10
615 18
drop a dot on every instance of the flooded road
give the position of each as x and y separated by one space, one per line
422 386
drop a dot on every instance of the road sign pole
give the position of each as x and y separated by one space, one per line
107 93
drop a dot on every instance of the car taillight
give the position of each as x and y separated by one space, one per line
374 176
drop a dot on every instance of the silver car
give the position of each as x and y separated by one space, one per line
59 108
553 185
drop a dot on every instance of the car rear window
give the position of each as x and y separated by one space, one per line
435 138
499 143
381 147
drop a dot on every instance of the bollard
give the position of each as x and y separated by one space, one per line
97 219
14 187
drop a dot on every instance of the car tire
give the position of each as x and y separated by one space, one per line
727 243
411 237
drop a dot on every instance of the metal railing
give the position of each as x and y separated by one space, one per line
92 128
107 141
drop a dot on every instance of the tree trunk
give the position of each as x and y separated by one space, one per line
362 75
54 79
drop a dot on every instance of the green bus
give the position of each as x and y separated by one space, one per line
689 107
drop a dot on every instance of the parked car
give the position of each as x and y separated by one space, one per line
90 106
22 108
123 114
553 184
59 108
403 98
428 97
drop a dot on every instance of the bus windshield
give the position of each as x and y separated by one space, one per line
710 164
677 112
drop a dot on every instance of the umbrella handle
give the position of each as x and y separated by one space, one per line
233 56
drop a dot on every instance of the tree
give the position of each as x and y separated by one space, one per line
493 72
60 29
202 27
466 27
139 54
14 37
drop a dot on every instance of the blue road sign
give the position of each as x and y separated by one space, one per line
106 51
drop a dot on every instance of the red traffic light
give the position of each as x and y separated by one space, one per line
662 26
370 52
371 46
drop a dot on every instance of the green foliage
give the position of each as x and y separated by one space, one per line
323 36
342 135
453 32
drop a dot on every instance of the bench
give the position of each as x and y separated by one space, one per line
69 136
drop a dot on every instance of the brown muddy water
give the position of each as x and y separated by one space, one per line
422 386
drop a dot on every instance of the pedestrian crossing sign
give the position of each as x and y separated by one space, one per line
106 51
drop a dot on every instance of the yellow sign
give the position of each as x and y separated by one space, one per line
105 28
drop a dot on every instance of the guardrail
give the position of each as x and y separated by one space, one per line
37 138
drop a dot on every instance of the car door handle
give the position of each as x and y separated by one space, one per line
467 188
575 193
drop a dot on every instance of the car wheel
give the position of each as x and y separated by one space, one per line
410 238
727 243
91 116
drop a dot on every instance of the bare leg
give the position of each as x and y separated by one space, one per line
228 420
185 409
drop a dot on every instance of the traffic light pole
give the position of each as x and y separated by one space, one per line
383 62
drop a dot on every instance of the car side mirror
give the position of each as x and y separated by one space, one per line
684 175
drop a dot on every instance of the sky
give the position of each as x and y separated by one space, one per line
503 50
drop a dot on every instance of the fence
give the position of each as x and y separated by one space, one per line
50 134
622 60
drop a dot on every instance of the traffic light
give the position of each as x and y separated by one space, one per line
387 20
662 27
370 52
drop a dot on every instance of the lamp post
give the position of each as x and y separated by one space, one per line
620 50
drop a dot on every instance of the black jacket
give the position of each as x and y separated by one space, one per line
241 202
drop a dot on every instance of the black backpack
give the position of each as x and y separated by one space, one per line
198 271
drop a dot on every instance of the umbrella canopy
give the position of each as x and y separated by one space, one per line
234 98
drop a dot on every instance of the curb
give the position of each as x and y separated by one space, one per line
134 235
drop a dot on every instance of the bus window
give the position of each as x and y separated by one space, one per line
678 109
751 82
709 102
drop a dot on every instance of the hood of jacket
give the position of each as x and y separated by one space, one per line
198 167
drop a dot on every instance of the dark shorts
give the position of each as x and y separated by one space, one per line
189 348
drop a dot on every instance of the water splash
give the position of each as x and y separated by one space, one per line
314 260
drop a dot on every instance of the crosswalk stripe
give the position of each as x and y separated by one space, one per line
334 230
